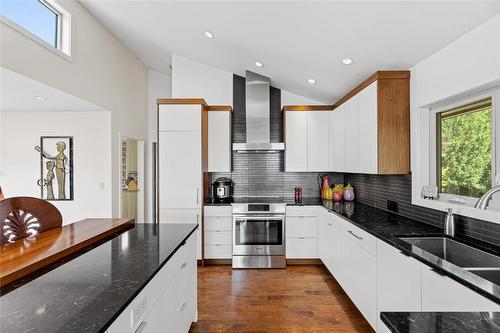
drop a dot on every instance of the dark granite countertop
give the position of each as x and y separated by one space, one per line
86 293
388 227
442 322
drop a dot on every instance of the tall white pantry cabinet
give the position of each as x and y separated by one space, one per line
182 162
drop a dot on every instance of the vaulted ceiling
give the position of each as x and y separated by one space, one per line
295 40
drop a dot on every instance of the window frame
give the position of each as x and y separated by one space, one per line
63 29
494 94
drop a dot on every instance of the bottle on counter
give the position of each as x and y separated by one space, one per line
298 194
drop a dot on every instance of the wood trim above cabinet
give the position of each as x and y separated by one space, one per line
308 108
220 108
182 101
379 75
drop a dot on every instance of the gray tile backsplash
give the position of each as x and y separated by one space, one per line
375 190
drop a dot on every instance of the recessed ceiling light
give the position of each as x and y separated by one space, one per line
258 64
42 98
209 34
311 81
347 61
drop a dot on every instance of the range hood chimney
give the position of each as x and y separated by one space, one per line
258 117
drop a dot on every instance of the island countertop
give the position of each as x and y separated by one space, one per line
86 293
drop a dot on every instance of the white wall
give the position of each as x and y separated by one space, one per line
468 65
20 132
191 79
101 71
288 98
159 86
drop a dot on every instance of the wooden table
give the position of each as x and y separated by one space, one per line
27 255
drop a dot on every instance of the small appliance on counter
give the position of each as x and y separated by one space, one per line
222 190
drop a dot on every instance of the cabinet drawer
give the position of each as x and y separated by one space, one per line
218 251
301 247
302 210
362 238
218 237
184 256
218 211
301 226
218 223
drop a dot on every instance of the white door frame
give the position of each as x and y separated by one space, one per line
140 177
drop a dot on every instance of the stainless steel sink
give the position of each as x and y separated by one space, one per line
456 253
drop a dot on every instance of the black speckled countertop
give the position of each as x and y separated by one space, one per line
388 227
442 322
88 292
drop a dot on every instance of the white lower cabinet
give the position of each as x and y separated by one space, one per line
441 293
330 242
218 232
179 215
168 303
359 274
301 230
398 282
379 278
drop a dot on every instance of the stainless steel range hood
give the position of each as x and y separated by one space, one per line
258 117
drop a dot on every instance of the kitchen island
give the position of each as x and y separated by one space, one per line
114 285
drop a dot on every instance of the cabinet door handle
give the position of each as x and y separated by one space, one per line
302 238
184 265
352 233
183 307
141 327
218 245
197 218
217 231
197 196
329 223
300 217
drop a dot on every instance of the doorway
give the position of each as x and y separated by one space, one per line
132 179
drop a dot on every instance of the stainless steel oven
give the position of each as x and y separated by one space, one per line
259 235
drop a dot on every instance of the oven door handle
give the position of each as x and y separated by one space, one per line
259 217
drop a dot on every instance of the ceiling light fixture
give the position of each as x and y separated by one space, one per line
41 98
259 64
311 81
209 34
347 61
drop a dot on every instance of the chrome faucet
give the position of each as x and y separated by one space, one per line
484 201
449 223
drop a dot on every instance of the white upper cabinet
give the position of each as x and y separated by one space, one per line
336 140
296 141
180 176
351 136
367 119
317 140
179 117
219 141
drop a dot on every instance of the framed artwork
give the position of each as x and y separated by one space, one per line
56 167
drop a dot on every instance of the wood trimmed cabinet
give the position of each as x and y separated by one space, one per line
219 139
182 162
366 131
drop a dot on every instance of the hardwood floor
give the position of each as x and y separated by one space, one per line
295 299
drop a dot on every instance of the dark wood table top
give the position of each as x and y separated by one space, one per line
27 255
